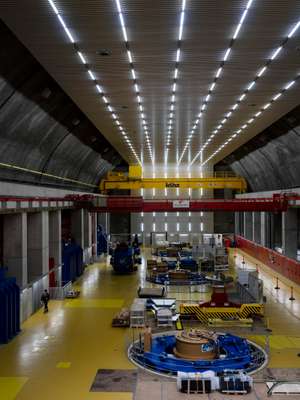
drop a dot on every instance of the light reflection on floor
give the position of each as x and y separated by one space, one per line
282 295
82 337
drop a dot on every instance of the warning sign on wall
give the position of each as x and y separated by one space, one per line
181 204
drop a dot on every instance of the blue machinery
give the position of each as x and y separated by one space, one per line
101 241
192 278
72 260
234 353
122 259
9 308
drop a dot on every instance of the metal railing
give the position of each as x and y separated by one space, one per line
60 292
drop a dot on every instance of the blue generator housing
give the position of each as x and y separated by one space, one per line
101 241
9 308
122 260
72 259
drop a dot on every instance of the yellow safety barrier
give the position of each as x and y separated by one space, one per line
203 314
179 326
240 322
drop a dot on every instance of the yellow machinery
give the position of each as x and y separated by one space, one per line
204 314
134 181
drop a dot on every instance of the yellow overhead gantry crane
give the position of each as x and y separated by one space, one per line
134 181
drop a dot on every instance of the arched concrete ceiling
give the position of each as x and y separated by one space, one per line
271 160
41 129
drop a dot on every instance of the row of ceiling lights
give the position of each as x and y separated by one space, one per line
250 86
251 120
90 73
134 79
171 114
212 87
170 126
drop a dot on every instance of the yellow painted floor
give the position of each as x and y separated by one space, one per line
57 355
283 315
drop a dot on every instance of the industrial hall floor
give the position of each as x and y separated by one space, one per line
57 355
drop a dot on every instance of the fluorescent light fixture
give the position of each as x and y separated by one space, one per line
261 71
91 75
166 227
142 226
99 89
212 86
251 85
177 226
289 85
227 53
53 6
237 31
277 96
219 72
243 16
276 52
181 25
292 32
65 28
83 60
129 56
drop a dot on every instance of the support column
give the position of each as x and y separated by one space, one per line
268 231
87 249
263 228
241 222
289 233
55 241
102 219
248 222
38 244
15 246
87 229
94 234
77 227
237 228
256 227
